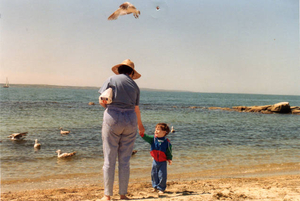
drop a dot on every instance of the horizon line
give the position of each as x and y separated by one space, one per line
144 89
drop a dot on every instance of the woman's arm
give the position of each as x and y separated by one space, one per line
139 119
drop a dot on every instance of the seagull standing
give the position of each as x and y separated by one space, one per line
64 155
18 136
125 9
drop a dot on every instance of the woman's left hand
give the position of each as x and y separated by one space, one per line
141 129
139 120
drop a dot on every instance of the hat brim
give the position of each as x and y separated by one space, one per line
115 70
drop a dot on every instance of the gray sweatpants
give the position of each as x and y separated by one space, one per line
119 131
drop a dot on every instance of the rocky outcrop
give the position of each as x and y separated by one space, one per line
281 108
219 108
91 103
295 110
194 107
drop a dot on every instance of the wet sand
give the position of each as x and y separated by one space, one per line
181 187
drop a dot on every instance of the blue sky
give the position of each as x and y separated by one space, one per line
223 46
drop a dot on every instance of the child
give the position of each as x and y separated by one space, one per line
161 151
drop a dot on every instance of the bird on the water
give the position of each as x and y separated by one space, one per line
18 136
37 145
172 130
64 155
63 132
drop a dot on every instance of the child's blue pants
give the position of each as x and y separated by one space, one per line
159 175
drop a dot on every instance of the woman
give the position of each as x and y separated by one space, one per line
120 122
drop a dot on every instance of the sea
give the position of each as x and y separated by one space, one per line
209 143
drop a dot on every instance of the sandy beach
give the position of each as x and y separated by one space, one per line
180 187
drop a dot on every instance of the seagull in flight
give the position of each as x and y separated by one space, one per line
125 9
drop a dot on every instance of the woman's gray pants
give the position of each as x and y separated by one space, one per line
119 131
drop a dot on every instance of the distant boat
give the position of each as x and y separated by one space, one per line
7 84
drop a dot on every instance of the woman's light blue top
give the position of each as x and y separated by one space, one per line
126 93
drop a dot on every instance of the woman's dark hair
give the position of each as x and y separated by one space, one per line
125 70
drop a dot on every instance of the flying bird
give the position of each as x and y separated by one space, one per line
125 9
18 136
64 155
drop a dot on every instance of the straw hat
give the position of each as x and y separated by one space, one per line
128 63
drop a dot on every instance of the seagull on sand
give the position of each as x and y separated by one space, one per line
37 145
18 136
64 155
64 132
125 9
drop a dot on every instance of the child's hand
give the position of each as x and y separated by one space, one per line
170 162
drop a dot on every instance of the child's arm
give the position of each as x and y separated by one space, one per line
169 153
147 138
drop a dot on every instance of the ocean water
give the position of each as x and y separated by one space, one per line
205 140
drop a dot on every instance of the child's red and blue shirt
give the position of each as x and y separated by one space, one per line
161 148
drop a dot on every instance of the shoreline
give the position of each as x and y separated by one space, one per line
267 182
179 187
174 173
94 178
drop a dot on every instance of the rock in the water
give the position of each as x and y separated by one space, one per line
239 108
295 111
220 108
283 107
257 108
